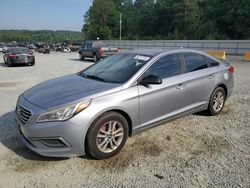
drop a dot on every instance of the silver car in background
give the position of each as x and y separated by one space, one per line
94 111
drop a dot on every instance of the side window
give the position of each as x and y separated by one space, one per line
165 67
211 62
89 45
195 62
84 46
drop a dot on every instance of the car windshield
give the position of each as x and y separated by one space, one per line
116 69
18 50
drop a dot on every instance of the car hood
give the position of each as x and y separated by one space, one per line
65 90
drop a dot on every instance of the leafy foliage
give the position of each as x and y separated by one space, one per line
40 36
168 19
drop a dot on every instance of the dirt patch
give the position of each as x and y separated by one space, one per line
8 84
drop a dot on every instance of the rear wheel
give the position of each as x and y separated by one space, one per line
95 58
217 101
8 62
107 135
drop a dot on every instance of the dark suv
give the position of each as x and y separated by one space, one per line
95 50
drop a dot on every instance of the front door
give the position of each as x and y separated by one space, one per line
158 102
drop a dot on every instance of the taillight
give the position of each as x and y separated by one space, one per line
30 56
12 56
231 69
100 51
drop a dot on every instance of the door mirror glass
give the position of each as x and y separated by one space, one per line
151 79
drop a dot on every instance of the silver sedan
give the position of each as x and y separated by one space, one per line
95 110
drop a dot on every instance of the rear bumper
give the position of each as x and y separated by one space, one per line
19 62
107 55
230 87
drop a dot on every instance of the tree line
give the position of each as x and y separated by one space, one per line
168 19
40 36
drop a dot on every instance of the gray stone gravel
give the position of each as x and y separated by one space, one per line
192 151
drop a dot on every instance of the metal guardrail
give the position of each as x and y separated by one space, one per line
238 47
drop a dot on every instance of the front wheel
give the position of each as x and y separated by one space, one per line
217 101
81 57
107 135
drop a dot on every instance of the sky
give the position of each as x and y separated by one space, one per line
43 14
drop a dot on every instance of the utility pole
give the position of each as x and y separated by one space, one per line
120 26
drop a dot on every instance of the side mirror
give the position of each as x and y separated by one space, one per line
151 79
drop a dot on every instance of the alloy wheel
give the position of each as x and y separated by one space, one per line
109 136
218 101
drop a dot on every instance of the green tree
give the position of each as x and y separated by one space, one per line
102 20
228 19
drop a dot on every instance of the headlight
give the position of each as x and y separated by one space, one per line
64 113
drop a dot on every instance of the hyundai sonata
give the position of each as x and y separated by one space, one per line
95 110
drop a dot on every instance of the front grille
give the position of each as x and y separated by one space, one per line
22 113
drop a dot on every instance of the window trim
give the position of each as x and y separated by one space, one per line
185 64
209 64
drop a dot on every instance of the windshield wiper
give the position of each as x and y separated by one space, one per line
93 77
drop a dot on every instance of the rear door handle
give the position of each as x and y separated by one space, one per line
211 77
180 86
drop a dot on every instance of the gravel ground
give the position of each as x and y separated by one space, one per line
193 151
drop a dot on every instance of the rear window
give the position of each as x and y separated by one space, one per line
18 50
98 44
211 62
195 62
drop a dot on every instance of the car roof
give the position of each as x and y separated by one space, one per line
155 51
15 48
148 52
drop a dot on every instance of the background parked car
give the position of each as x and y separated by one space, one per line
45 49
18 56
95 50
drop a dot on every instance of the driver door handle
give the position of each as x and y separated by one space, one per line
180 86
211 77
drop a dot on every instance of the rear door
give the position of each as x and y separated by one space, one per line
158 102
200 80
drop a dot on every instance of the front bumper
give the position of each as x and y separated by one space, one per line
54 139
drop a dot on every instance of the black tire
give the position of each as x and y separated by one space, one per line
9 63
95 58
211 107
81 57
95 129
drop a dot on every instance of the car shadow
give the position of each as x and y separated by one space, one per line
5 65
10 138
84 61
202 113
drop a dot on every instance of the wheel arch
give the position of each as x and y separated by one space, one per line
127 117
224 87
122 112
